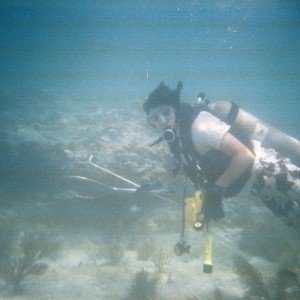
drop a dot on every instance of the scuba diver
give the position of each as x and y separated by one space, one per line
223 149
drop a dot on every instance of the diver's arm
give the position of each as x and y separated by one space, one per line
209 132
242 158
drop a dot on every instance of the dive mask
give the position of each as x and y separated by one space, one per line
159 115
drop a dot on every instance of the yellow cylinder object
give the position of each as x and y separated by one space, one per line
193 206
207 266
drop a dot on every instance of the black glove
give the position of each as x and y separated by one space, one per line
212 205
150 186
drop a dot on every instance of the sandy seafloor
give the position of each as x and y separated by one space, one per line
137 225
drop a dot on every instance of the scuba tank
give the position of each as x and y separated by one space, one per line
248 127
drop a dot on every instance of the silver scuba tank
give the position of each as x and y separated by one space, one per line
253 128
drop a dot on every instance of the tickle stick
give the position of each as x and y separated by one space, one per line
112 173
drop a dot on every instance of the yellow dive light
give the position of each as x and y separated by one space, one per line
193 207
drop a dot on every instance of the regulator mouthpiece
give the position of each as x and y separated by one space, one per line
169 135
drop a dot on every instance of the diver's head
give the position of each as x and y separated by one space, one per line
161 106
162 117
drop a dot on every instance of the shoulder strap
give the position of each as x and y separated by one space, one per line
234 110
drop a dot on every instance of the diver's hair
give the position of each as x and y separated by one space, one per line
163 95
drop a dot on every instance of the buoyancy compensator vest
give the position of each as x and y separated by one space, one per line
200 168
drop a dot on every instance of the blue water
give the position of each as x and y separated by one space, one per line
73 76
80 53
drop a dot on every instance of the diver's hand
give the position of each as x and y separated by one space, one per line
150 186
212 205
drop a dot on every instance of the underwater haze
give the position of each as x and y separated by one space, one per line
74 75
65 57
